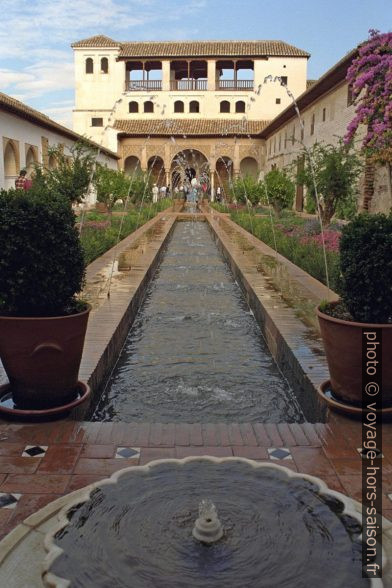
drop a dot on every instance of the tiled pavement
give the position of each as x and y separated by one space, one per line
40 462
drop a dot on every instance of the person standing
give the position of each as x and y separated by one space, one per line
218 194
155 192
163 191
21 181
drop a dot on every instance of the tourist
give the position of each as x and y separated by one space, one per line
21 180
218 194
155 191
163 191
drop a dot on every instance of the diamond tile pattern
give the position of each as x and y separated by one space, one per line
363 453
279 453
9 500
128 452
35 451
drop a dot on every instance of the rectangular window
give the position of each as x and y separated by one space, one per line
283 80
280 141
312 125
277 101
293 136
285 139
324 114
97 122
303 130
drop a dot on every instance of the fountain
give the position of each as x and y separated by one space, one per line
278 529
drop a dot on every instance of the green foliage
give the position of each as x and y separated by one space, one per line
95 241
41 260
111 185
336 170
72 174
308 256
366 267
247 188
140 188
280 189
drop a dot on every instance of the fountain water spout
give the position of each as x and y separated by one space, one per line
208 528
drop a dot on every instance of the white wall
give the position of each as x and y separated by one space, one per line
28 133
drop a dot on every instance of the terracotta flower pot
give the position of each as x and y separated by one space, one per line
41 357
343 348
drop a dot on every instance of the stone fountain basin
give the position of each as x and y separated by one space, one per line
75 510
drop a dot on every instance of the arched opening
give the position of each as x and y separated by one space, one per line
31 159
224 175
225 106
104 65
156 170
178 106
149 106
89 65
10 165
240 106
132 165
52 162
249 167
133 107
194 106
189 164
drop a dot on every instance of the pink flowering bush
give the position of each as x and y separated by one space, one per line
370 78
331 240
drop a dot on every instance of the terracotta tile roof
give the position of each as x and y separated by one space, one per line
190 127
210 49
195 48
96 41
20 109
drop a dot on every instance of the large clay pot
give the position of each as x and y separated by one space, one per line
343 349
41 357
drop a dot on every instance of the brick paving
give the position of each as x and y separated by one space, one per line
75 454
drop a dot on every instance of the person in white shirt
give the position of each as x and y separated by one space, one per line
155 191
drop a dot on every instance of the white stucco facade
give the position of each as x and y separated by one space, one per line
24 142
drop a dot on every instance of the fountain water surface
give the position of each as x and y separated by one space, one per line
278 530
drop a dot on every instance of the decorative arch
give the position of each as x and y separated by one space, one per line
224 173
249 167
11 160
31 158
156 170
240 106
132 165
133 106
178 106
194 106
188 163
52 162
225 106
104 65
149 106
89 65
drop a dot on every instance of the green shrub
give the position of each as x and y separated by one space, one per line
366 267
308 256
247 188
280 190
41 259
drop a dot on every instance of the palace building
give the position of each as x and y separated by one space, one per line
220 108
180 107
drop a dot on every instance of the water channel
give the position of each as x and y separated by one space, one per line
195 352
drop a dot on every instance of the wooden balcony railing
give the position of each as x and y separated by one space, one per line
186 85
235 85
140 86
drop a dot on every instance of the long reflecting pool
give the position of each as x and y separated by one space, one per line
195 352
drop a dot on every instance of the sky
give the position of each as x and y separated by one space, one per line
36 60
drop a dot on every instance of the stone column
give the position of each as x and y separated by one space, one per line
211 79
212 184
166 75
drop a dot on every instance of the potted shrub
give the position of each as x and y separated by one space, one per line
365 305
42 323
